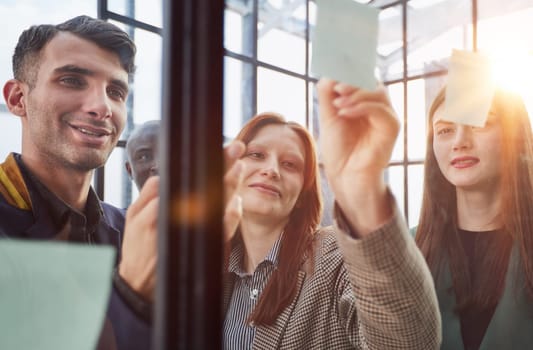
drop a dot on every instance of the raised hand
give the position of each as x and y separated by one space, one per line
232 180
358 129
139 247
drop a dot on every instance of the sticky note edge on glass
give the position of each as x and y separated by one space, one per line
345 42
470 88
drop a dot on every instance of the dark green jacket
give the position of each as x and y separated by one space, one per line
511 326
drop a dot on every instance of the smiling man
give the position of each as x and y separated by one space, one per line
69 90
142 152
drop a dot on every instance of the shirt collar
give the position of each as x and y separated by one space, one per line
236 257
58 210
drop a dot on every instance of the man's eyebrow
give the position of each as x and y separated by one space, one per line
143 149
70 68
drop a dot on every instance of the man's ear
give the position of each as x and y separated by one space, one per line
128 169
14 94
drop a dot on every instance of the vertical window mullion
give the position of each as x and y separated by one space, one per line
405 108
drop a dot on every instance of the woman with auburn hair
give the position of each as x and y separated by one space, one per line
292 285
476 225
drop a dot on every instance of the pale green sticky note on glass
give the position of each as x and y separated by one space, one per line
345 42
53 295
470 88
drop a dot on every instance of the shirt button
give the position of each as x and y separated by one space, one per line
254 293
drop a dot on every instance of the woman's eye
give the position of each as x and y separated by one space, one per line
289 165
255 155
444 131
292 165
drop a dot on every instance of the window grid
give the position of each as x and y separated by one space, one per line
250 37
406 77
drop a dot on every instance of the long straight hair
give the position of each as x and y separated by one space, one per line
437 234
303 222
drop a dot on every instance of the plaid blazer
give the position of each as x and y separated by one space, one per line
371 293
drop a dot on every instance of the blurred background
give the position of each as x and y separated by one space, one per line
268 45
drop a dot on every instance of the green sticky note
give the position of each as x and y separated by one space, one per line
53 295
470 88
345 42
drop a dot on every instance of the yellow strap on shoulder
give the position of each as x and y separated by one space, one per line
7 187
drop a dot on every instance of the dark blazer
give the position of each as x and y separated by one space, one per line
370 293
21 216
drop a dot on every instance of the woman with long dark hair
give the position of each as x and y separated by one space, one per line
476 225
292 285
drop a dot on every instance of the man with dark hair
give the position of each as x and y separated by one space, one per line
69 90
142 153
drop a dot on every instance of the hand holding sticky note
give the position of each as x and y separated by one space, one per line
345 42
470 89
53 295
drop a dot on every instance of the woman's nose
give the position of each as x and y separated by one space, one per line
271 170
463 137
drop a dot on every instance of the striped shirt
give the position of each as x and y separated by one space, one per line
238 332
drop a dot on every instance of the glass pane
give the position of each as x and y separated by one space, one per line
512 48
515 18
118 186
237 95
147 86
420 4
396 96
281 93
394 178
312 23
11 134
390 44
420 95
381 3
299 13
232 31
416 185
432 35
312 105
416 124
238 31
281 36
150 12
432 87
17 16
